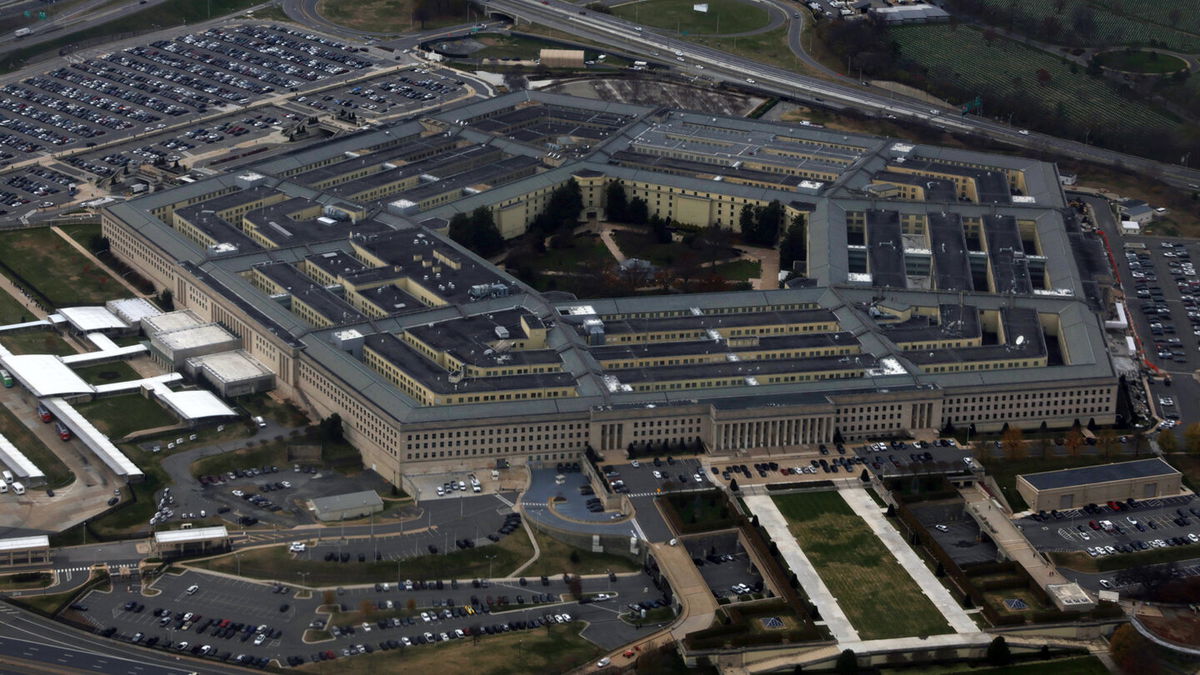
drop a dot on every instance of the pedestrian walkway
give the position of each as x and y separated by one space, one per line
868 510
776 525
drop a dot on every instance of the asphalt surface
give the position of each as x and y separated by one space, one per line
287 617
1073 532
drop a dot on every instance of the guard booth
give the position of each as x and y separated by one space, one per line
200 541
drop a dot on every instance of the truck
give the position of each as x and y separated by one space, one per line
7 378
22 32
44 413
63 432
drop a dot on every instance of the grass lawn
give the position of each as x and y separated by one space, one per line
119 416
635 244
55 270
739 270
588 250
37 342
134 515
11 582
722 17
391 16
164 15
876 593
555 559
46 604
276 563
770 48
1005 471
273 453
265 406
554 649
57 473
12 311
1141 62
82 233
105 373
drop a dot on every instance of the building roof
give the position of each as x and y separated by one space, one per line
193 404
1103 473
17 461
232 366
24 543
132 310
194 534
350 500
45 374
87 319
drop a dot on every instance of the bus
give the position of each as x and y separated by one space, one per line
44 412
7 378
63 432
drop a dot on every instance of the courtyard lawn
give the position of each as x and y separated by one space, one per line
37 342
276 563
61 275
555 559
554 649
723 16
119 416
739 270
587 250
876 593
106 373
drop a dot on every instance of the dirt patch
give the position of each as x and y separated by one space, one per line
1178 627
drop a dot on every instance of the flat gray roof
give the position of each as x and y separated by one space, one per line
1103 473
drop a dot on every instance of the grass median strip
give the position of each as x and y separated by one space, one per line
275 563
57 473
876 593
557 558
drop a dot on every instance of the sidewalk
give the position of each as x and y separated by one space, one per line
776 525
865 507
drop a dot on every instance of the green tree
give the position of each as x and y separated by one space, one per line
847 662
486 235
748 223
998 653
795 243
769 220
616 203
330 429
638 212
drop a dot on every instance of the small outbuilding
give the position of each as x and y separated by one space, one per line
346 507
24 550
561 58
1119 481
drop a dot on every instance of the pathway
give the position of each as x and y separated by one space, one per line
865 507
35 310
1008 538
776 525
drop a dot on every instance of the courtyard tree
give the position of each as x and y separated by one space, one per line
1191 438
1013 441
616 203
1074 442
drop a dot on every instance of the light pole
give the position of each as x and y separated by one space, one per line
490 558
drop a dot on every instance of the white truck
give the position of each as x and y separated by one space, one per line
22 32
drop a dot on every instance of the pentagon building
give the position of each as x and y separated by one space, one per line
939 286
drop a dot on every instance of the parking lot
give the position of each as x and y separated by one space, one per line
1163 294
956 532
147 87
232 620
724 565
1151 523
393 94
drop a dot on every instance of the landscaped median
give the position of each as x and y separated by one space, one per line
275 563
878 596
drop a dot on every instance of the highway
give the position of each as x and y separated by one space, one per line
723 66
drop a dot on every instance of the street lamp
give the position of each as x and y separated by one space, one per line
490 558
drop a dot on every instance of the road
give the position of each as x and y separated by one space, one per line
722 66
31 643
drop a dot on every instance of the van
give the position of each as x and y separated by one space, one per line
8 477
260 422
3 488
18 488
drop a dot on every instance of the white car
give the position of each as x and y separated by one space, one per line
425 617
699 478
635 464
192 589
1105 583
942 528
297 547
603 663
458 633
658 474
567 618
259 639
